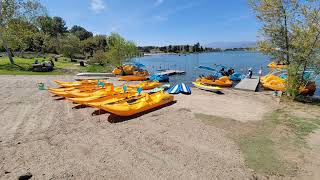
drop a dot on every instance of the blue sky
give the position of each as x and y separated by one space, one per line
161 22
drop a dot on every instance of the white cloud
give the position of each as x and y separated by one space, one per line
158 2
165 15
97 5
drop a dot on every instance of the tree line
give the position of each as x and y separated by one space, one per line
185 49
26 26
196 48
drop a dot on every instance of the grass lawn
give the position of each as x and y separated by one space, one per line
26 64
273 146
62 66
278 143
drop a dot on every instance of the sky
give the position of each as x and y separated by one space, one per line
161 22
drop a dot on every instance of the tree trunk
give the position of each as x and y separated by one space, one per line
286 36
4 43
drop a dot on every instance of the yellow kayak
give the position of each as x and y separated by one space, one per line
271 77
61 89
97 100
71 84
205 87
275 65
281 86
142 103
147 85
275 85
223 81
117 71
74 93
78 83
112 99
94 92
100 92
132 78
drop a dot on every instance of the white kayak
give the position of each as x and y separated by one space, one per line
207 88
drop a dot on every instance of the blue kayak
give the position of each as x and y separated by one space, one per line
180 88
217 75
206 68
160 78
236 76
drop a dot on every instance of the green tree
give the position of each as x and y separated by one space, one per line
99 57
69 45
19 34
52 26
51 44
291 34
24 10
81 32
120 50
187 48
38 42
93 44
196 47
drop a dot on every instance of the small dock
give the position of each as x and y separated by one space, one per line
96 74
81 78
248 84
93 76
171 72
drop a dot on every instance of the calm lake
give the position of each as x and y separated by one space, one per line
239 60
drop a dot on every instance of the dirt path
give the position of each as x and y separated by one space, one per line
49 139
311 167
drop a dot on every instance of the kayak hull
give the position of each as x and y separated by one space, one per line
142 104
274 65
146 85
206 88
224 81
98 100
133 78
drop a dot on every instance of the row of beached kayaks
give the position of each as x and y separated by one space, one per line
129 69
134 72
278 83
147 85
112 99
155 77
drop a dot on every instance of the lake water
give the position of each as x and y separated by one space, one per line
239 60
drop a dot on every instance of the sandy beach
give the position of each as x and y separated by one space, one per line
52 138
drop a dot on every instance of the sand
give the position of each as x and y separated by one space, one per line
51 139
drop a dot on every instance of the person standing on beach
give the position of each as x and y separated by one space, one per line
250 73
260 71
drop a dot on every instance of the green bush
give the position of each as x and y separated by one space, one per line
99 57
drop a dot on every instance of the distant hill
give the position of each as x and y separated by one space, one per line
227 45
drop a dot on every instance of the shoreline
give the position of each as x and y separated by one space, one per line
160 54
67 139
71 141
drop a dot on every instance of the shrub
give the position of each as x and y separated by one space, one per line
98 57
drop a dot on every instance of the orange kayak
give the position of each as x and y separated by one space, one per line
133 78
97 99
147 85
224 81
140 104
